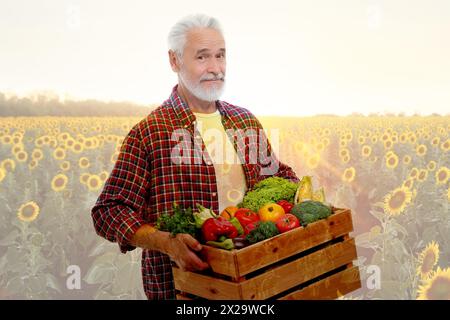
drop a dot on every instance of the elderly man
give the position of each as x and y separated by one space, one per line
153 172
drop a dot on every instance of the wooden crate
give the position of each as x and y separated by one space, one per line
314 262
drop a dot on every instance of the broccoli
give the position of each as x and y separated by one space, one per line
310 211
264 230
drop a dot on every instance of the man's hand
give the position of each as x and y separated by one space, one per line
180 250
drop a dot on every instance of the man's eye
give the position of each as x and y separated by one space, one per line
201 58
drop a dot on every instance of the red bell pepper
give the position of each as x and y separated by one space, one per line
213 228
246 216
287 206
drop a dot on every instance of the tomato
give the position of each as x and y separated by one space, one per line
250 227
271 212
287 222
246 216
287 206
229 212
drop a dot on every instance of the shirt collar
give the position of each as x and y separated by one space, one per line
184 113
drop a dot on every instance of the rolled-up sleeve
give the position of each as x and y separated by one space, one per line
117 213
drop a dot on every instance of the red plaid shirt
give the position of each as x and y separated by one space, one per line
145 182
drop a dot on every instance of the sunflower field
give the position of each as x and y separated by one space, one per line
392 172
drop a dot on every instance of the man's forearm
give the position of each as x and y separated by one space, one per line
148 237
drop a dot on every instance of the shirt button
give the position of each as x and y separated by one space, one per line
209 163
214 194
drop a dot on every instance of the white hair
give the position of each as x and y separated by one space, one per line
178 33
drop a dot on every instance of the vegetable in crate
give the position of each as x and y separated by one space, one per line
202 215
287 222
227 244
214 228
271 212
287 206
246 216
304 191
264 230
181 221
269 190
311 211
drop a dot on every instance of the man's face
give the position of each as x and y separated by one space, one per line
202 69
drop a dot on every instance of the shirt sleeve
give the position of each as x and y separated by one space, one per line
270 164
117 214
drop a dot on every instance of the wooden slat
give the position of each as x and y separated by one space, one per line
329 288
289 275
205 286
295 241
221 261
182 297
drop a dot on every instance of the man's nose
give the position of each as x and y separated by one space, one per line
215 67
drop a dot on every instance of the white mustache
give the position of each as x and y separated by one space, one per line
211 76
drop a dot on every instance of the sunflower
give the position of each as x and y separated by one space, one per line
428 258
70 142
298 146
39 142
63 136
83 162
37 154
343 152
406 159
2 174
431 166
374 139
319 147
28 211
8 165
423 174
349 174
366 151
413 173
388 144
94 182
65 165
392 161
84 178
21 156
6 139
435 141
33 164
313 161
361 140
436 287
77 147
402 138
442 175
17 148
421 150
445 146
412 139
59 182
343 143
103 175
396 201
408 183
59 153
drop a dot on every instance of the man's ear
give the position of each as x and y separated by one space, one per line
174 61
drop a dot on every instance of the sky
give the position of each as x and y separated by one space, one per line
284 57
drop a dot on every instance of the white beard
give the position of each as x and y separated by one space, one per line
199 92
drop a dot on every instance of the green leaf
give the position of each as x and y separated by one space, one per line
52 282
